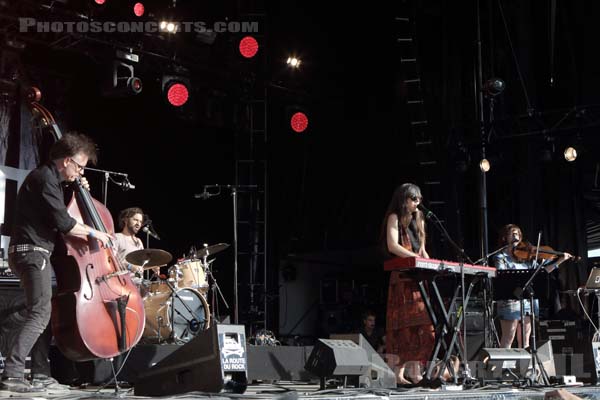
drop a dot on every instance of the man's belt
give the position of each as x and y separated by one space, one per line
22 248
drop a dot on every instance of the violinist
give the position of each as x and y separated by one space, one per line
509 311
40 216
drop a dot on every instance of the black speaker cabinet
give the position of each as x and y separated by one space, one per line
379 374
214 361
337 358
501 365
546 357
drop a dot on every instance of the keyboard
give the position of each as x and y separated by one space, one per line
418 263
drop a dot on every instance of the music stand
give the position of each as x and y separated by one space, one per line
516 284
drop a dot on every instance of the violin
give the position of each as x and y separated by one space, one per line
525 251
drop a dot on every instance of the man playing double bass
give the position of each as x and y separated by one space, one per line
40 216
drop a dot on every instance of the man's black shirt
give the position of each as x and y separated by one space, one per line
41 212
375 339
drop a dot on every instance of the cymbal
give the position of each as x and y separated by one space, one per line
149 258
210 250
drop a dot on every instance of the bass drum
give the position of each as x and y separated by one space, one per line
177 317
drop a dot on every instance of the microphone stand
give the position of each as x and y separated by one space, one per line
234 191
107 175
490 333
463 256
520 291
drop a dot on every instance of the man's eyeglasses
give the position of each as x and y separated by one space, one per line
79 166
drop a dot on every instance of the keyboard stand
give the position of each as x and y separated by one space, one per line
446 332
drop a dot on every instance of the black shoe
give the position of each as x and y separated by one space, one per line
18 385
47 383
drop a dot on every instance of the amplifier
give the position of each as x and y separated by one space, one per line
572 348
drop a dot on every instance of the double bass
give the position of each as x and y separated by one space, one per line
98 311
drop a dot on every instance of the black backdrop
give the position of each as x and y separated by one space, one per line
328 188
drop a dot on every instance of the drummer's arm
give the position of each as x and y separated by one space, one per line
135 269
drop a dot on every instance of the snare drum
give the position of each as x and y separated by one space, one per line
180 316
190 273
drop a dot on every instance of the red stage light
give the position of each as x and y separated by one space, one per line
100 1
177 94
248 47
138 9
299 122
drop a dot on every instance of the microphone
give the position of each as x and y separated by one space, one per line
149 230
125 185
204 195
428 213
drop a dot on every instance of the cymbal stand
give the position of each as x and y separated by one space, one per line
214 288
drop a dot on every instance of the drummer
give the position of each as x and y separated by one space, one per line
130 223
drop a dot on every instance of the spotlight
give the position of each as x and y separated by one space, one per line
123 82
138 9
248 47
135 85
293 62
484 165
176 90
299 122
493 87
570 154
168 26
100 2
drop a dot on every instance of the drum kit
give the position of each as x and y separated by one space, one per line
176 307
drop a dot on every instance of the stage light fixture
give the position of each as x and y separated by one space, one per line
484 165
138 9
248 47
570 154
493 87
168 26
293 62
100 2
176 90
299 122
123 82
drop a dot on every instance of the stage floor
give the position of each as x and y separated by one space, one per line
293 391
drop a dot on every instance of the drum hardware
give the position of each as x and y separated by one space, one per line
214 288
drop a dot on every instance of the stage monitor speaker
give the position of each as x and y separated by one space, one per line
502 364
214 361
337 358
546 357
379 374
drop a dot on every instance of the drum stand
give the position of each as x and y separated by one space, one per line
214 287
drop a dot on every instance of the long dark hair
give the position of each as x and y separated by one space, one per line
398 206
